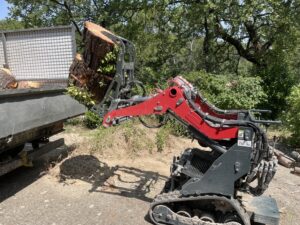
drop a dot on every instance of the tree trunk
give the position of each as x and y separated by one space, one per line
84 71
97 43
207 47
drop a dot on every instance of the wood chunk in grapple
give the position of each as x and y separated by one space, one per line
84 71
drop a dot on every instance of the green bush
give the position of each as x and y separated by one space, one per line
135 137
74 121
92 120
176 128
292 115
81 95
228 91
101 139
108 64
161 138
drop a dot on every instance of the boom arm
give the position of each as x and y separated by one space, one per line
172 100
182 100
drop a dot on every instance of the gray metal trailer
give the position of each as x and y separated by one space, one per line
33 115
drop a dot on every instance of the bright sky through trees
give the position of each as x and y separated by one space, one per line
3 9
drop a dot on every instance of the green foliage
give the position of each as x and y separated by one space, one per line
177 128
81 95
92 120
108 64
74 121
171 126
135 137
292 115
277 83
229 91
281 73
101 139
10 24
161 138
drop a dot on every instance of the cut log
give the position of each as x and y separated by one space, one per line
97 43
79 72
296 171
7 80
84 71
84 77
284 160
29 84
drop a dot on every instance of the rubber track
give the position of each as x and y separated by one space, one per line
167 198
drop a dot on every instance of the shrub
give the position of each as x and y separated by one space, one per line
161 138
108 64
228 91
109 138
292 115
81 95
135 137
92 120
176 128
101 139
74 121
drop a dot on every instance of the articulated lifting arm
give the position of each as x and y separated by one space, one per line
171 100
182 101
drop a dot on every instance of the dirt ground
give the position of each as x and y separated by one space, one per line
108 183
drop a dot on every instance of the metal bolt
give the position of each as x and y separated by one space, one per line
169 217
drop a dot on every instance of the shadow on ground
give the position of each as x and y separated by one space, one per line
117 180
15 181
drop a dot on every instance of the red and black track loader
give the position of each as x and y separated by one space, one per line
223 186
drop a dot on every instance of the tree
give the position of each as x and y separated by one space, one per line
10 24
261 32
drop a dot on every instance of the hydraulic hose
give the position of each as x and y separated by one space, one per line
222 122
212 144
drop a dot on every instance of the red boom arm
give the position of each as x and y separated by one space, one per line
173 100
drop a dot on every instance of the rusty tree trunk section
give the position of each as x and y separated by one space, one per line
84 70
